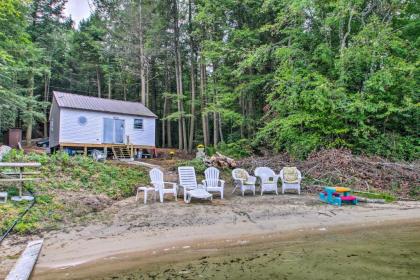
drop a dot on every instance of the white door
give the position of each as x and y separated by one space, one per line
114 131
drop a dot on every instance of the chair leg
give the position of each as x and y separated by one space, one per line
221 194
137 195
175 194
161 194
234 188
145 196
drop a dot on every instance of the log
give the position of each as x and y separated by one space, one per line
221 161
25 264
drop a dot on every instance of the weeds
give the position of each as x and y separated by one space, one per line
62 174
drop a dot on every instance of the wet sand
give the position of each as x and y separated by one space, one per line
387 251
130 235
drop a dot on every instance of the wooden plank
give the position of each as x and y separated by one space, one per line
23 173
18 180
26 262
20 164
82 145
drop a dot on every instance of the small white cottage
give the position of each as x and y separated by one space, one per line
92 122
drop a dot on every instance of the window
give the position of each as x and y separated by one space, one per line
82 120
138 123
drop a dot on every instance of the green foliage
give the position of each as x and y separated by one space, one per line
357 92
236 150
61 172
292 76
197 163
377 195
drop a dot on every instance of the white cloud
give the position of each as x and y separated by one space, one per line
78 10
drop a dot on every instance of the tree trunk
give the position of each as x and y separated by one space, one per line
165 105
204 118
125 91
142 59
219 116
109 87
182 135
30 117
98 81
215 130
242 106
46 97
180 128
192 61
215 114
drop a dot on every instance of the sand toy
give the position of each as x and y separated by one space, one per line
337 196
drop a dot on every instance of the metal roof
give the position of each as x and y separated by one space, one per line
82 102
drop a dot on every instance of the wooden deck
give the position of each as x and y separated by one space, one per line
86 146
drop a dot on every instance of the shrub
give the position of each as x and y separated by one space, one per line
197 163
239 149
69 173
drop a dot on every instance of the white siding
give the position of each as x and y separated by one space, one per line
54 124
92 132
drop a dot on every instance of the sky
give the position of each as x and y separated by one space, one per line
78 9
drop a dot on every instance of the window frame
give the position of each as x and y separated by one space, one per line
142 124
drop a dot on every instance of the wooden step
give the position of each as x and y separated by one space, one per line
121 152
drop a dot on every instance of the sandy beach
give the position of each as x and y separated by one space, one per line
130 233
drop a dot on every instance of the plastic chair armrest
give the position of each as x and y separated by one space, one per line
252 179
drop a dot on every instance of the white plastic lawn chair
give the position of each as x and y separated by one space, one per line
290 179
268 179
156 178
243 180
212 183
188 182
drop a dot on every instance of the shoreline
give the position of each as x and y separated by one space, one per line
100 256
176 253
130 233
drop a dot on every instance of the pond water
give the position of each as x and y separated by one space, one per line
392 252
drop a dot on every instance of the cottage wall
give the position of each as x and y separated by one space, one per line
91 132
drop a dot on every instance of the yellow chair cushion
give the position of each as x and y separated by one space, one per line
290 175
241 174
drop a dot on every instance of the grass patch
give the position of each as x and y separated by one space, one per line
376 195
62 175
197 163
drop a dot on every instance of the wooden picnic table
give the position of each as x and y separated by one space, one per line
18 176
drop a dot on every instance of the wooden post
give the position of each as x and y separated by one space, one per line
85 150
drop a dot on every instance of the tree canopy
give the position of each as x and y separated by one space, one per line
287 75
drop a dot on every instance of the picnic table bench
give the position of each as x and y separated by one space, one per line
19 176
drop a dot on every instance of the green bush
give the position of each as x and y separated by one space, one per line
239 149
69 173
197 163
